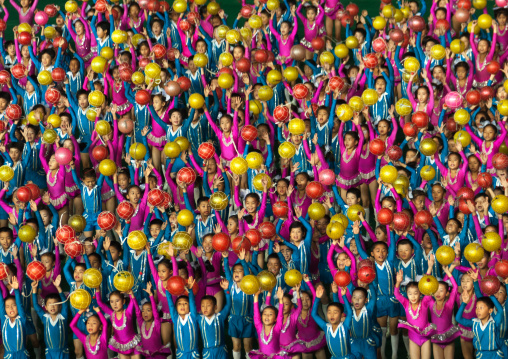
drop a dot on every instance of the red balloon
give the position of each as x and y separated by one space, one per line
18 71
106 220
314 190
465 193
254 237
57 40
442 23
451 125
489 285
176 285
500 161
184 25
464 4
416 23
101 6
463 207
52 96
24 194
410 129
394 152
155 197
246 11
4 77
341 13
281 113
484 180
186 175
63 156
114 12
225 70
13 112
220 242
267 230
126 74
379 45
342 278
240 243
401 221
335 83
462 15
159 50
142 97
396 35
420 119
3 271
192 16
73 248
243 65
143 62
171 54
167 199
317 43
345 19
24 38
184 83
271 56
58 74
300 91
486 93
249 133
327 177
123 66
423 217
35 270
153 5
280 209
206 150
385 216
125 125
370 61
34 190
164 6
125 210
261 56
366 274
65 234
352 9
51 10
501 268
365 263
473 97
377 147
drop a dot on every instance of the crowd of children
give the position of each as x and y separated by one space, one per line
312 180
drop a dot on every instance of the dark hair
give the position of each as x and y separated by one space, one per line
117 293
412 285
165 262
254 196
156 222
16 145
116 245
361 289
52 296
80 265
274 256
300 226
89 173
339 306
462 64
405 242
442 282
51 255
355 191
487 301
379 243
203 199
7 230
95 255
210 298
182 297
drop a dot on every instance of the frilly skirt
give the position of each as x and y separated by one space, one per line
128 348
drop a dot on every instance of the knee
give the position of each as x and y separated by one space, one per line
237 347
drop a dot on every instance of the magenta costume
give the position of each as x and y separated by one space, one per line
118 95
56 183
367 163
481 76
124 339
269 345
446 331
420 330
494 147
27 16
331 8
157 136
227 145
288 341
285 45
138 219
213 278
84 45
311 31
151 344
308 331
161 290
47 286
349 175
454 184
99 350
71 188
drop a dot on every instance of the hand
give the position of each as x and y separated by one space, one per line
14 282
356 227
320 291
280 294
190 283
400 277
148 289
473 274
57 281
224 284
35 285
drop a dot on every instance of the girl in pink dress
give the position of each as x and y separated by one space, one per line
351 148
55 175
455 173
417 312
312 24
462 80
177 188
285 39
312 337
424 95
124 339
466 334
227 135
491 141
117 91
149 324
95 343
483 53
26 10
83 39
332 7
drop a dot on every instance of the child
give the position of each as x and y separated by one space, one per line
13 319
95 342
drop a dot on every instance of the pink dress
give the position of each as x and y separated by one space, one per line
349 175
56 183
308 331
288 341
311 31
446 331
151 346
100 350
481 76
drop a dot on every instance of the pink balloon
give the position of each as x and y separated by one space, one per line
41 18
501 3
63 156
453 100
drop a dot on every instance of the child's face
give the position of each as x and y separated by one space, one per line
237 53
251 205
79 28
284 29
426 242
147 312
273 266
422 95
451 227
380 235
182 306
208 308
3 104
163 271
466 283
207 244
78 274
155 229
225 124
15 154
29 87
296 235
115 253
359 300
483 263
232 226
90 182
204 208
481 203
116 303
47 262
351 199
83 101
11 50
237 273
501 295
379 253
343 261
24 52
350 142
334 315
201 47
441 293
413 294
483 311
46 60
286 252
156 28
322 116
437 193
269 316
301 182
51 307
483 47
123 181
380 86
10 308
5 240
46 217
134 195
461 73
94 262
405 251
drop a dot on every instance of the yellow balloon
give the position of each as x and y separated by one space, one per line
162 250
427 173
213 8
474 252
293 277
502 107
246 33
91 114
411 64
344 112
296 126
123 281
388 174
153 70
138 78
341 218
274 77
71 6
172 150
326 57
272 4
402 181
445 255
77 222
403 107
464 137
196 101
54 120
239 165
257 181
316 211
32 119
180 6
183 142
99 64
225 81
479 4
505 85
398 16
356 103
92 278
182 241
287 150
265 93
477 29
457 46
388 11
233 37
335 230
290 73
50 136
485 21
255 107
185 218
27 233
255 21
107 167
222 31
491 241
353 212
24 27
500 204
200 2
6 173
462 116
249 284
370 97
406 11
44 77
137 240
200 60
379 23
80 298
226 59
428 285
341 51
219 201
119 36
352 42
428 147
254 160
267 280
107 52
136 39
103 128
137 151
437 52
49 32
